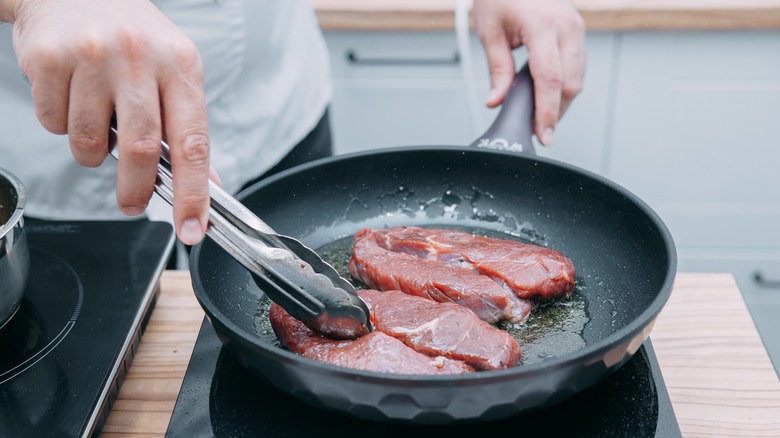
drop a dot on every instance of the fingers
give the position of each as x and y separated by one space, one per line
547 71
88 116
554 34
500 63
139 135
184 111
572 50
50 91
88 59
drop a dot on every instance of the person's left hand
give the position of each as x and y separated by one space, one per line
554 34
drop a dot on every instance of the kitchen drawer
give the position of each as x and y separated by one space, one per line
356 54
373 113
398 89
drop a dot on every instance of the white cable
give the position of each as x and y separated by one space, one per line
463 36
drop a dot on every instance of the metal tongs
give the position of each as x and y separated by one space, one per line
290 273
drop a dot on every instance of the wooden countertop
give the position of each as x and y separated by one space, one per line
719 376
598 14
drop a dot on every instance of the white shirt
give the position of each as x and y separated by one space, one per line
267 85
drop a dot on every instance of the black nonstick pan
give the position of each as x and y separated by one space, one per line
624 256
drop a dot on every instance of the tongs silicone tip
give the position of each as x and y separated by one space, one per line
291 274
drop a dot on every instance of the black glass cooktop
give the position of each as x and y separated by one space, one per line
221 398
65 352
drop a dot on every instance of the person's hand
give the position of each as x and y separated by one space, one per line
554 34
86 59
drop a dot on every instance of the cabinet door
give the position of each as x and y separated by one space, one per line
695 132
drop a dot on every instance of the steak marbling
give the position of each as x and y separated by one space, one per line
441 329
382 269
380 259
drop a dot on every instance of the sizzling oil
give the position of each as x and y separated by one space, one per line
552 330
263 327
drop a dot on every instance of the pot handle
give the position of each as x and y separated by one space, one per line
513 127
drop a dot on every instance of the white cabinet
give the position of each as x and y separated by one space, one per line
706 121
396 89
688 121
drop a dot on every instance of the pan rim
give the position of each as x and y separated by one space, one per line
590 353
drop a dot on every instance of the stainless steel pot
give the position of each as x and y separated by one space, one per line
14 253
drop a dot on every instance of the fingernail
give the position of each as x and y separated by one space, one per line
492 96
190 232
133 211
547 136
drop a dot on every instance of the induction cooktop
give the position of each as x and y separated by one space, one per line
220 398
65 352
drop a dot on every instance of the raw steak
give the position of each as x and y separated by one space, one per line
530 271
380 268
441 329
375 351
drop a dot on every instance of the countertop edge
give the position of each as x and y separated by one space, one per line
598 16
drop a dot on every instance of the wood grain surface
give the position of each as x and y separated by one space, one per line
719 376
598 14
148 395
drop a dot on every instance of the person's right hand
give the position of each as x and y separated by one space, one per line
86 59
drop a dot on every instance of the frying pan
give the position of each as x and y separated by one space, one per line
624 256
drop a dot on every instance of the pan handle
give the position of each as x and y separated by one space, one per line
513 127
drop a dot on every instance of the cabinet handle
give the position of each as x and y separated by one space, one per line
763 282
353 58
